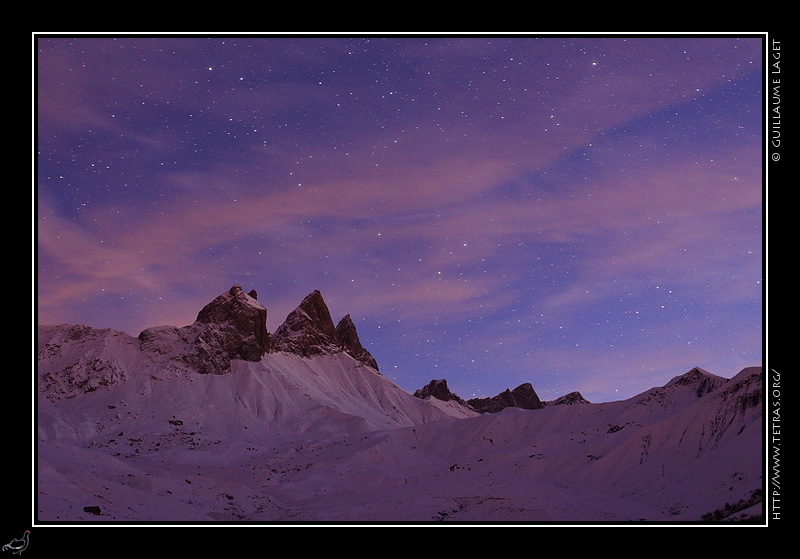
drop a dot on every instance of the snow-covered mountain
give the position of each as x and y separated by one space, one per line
222 421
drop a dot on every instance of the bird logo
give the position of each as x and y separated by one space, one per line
17 545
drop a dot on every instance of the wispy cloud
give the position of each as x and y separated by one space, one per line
435 182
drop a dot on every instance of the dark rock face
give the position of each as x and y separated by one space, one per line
232 326
308 330
238 323
438 389
696 382
348 339
523 396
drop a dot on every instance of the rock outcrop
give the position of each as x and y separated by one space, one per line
686 387
438 389
348 339
232 326
239 324
309 330
523 396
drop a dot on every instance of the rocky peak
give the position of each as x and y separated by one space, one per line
316 310
438 389
232 326
523 396
348 339
240 323
227 306
683 389
309 330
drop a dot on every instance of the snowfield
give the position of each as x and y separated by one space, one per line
132 436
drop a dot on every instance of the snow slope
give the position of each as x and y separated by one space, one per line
130 436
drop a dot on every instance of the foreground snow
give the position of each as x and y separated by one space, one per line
327 439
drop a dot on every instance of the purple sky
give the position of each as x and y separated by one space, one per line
580 213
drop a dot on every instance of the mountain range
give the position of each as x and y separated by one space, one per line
223 421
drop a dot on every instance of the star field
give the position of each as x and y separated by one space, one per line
581 213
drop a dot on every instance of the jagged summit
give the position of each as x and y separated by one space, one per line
241 320
523 396
350 342
437 388
309 330
693 384
234 326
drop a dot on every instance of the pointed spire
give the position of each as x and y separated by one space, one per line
348 339
309 330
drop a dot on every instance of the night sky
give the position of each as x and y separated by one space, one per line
582 213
